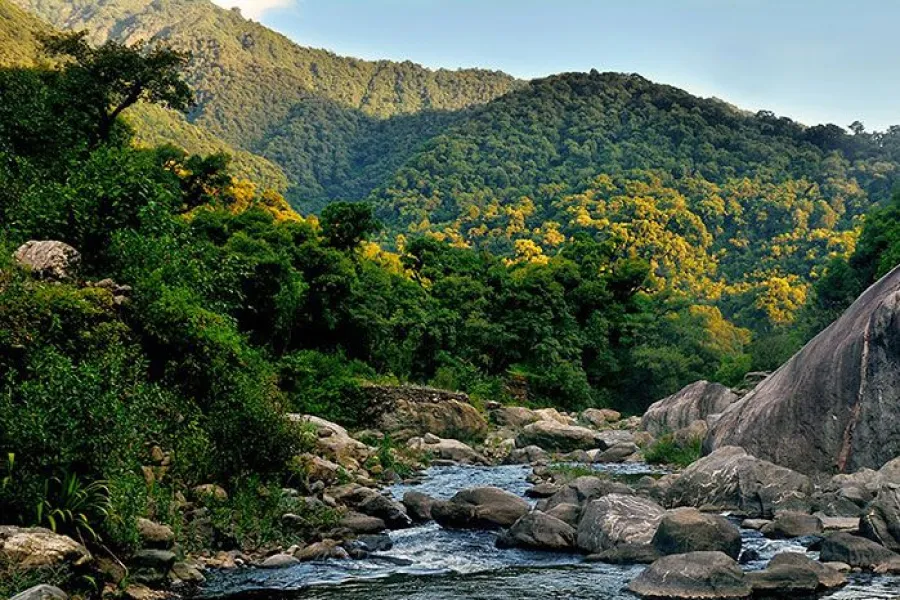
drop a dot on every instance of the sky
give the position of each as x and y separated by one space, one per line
815 61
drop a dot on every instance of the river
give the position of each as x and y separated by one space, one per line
430 563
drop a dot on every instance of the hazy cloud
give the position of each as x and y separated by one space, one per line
254 8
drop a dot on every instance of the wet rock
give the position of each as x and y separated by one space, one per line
448 449
613 437
626 554
880 521
567 513
41 592
557 437
360 523
321 551
729 479
418 506
692 403
479 508
542 490
783 582
529 455
789 524
615 520
688 530
617 453
708 575
279 561
538 531
855 551
31 548
376 505
582 490
151 567
801 416
155 535
188 574
49 259
827 576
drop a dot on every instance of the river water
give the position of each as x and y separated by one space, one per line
430 563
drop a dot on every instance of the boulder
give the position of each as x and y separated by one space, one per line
151 567
542 490
691 434
411 411
448 449
538 531
855 551
692 403
381 507
41 592
322 550
359 523
832 406
333 442
316 468
688 530
584 489
707 575
551 414
515 417
626 554
479 508
557 437
880 521
783 582
791 524
729 479
600 417
529 455
32 548
616 454
616 520
567 513
828 576
613 437
155 535
48 259
418 505
279 561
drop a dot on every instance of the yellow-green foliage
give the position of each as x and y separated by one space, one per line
19 32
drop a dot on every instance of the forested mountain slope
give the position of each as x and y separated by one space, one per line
317 114
726 205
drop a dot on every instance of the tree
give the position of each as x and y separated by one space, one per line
345 225
109 79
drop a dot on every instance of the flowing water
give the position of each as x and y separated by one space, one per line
430 563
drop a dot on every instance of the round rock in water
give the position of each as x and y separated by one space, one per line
707 575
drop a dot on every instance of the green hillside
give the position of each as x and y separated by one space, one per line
263 93
19 33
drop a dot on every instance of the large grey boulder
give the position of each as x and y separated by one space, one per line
48 259
557 437
479 508
35 547
41 592
539 531
855 551
794 561
729 479
448 449
617 520
880 521
706 575
832 407
792 524
582 490
692 403
688 530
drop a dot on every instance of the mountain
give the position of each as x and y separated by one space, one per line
737 208
19 32
314 113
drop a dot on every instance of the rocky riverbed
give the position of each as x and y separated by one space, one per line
428 561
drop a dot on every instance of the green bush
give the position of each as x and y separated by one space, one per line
666 450
326 385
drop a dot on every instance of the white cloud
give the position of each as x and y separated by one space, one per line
254 9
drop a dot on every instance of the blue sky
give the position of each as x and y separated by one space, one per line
814 60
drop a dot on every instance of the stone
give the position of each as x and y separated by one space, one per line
187 574
783 582
707 575
690 404
210 491
138 591
41 592
542 490
626 554
567 513
855 551
515 417
332 441
729 479
613 437
48 259
692 433
321 551
685 530
615 520
618 453
551 414
315 468
376 505
279 561
832 406
359 523
556 437
479 508
411 411
880 521
790 524
529 455
449 449
35 547
755 524
418 505
600 417
151 567
582 490
827 576
155 535
538 531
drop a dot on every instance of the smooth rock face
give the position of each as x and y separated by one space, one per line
555 436
539 531
30 548
445 418
789 524
685 530
707 575
693 403
448 449
833 405
855 551
615 520
729 479
41 592
880 521
828 577
479 508
783 581
49 259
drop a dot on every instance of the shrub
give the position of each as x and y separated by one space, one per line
326 385
667 450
